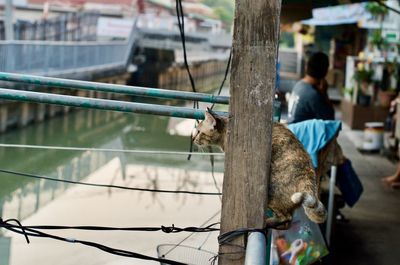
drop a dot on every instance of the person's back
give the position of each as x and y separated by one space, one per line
309 99
306 103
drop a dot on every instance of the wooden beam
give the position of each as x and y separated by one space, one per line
248 153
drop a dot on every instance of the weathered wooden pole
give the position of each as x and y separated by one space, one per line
248 154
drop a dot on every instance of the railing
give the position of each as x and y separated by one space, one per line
62 58
111 88
290 61
51 58
103 104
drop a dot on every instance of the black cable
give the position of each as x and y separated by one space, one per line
226 238
187 237
386 6
107 186
20 229
181 25
229 236
225 76
166 229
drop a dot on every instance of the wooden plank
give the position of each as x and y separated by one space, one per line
248 154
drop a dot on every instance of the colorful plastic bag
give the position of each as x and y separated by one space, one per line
301 244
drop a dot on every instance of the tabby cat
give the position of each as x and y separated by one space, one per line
293 180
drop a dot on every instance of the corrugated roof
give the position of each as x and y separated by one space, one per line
164 3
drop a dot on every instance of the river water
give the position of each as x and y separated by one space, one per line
46 202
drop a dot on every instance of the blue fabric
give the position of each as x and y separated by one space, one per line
315 134
349 183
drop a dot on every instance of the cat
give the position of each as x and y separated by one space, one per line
293 181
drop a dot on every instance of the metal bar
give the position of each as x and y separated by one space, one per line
256 249
329 221
9 25
108 150
129 90
103 104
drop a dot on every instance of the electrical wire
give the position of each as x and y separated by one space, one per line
165 229
107 186
108 150
30 232
187 237
229 236
181 25
225 77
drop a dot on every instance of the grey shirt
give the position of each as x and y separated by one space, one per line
306 103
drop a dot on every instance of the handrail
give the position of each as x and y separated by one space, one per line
63 43
129 90
54 58
103 104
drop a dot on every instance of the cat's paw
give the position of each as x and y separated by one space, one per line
278 224
297 197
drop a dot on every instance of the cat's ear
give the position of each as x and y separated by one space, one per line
209 118
212 113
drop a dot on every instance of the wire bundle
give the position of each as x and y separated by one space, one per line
34 231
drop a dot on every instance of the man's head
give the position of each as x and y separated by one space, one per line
317 65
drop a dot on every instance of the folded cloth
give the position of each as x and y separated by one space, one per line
315 135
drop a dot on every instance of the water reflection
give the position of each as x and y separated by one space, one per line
23 198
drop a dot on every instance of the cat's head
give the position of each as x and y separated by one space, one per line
211 131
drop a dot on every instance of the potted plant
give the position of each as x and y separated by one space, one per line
363 77
388 84
378 12
377 39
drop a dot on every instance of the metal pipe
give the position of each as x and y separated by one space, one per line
129 90
331 197
8 19
256 250
103 104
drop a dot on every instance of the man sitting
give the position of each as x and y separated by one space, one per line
309 98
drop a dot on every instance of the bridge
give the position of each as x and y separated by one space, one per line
88 59
85 59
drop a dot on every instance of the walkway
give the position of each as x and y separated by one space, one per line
373 234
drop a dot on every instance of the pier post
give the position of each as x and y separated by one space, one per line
40 112
248 152
52 110
3 117
66 109
24 114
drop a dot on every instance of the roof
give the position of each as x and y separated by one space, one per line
340 14
163 3
317 3
297 10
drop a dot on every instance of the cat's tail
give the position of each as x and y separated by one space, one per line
313 207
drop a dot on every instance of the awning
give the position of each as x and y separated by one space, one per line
336 15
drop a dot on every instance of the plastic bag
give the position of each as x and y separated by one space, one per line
301 244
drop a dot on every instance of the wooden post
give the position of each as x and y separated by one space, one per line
248 153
